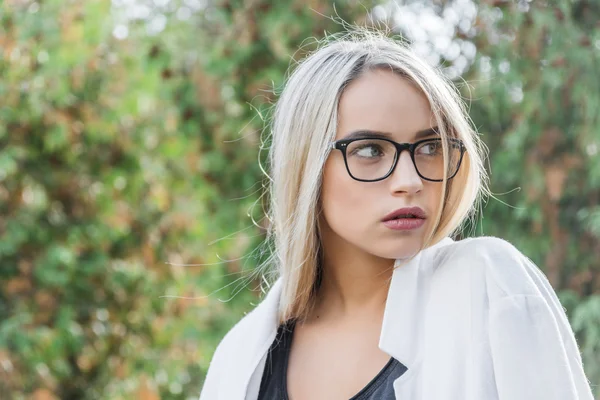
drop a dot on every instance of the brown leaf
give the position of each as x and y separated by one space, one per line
548 141
148 254
17 285
43 394
25 267
555 179
208 89
146 391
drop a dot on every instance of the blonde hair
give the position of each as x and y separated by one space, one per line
303 126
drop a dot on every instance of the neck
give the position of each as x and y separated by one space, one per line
354 283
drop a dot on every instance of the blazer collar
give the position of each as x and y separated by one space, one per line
402 319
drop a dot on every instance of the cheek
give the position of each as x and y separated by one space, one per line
433 194
343 199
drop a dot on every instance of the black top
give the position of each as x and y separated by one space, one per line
273 385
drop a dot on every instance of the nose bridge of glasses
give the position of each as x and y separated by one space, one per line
408 165
400 147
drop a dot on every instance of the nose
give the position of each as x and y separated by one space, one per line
405 178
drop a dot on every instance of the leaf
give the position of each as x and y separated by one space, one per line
555 179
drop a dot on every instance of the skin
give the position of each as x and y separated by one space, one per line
335 351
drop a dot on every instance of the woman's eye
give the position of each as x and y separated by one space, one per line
430 149
368 151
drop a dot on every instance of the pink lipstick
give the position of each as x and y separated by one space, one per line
405 219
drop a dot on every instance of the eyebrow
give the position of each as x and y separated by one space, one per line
369 134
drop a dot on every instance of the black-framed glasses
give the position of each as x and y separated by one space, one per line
374 159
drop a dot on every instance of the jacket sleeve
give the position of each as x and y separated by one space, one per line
534 352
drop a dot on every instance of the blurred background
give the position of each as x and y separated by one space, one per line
129 147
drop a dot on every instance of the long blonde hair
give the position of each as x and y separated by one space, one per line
303 126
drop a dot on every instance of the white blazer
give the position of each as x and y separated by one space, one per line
471 320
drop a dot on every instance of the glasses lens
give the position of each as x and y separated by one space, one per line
370 159
429 159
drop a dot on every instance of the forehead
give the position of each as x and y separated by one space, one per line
383 101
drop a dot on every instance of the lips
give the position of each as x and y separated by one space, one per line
407 212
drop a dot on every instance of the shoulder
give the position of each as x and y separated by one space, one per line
485 248
222 365
252 329
227 346
505 269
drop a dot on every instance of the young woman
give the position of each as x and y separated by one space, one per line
374 165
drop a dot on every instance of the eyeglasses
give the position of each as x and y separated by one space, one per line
374 159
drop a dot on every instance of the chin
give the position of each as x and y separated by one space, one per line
407 249
404 257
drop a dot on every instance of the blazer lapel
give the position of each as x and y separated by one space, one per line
402 327
256 339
